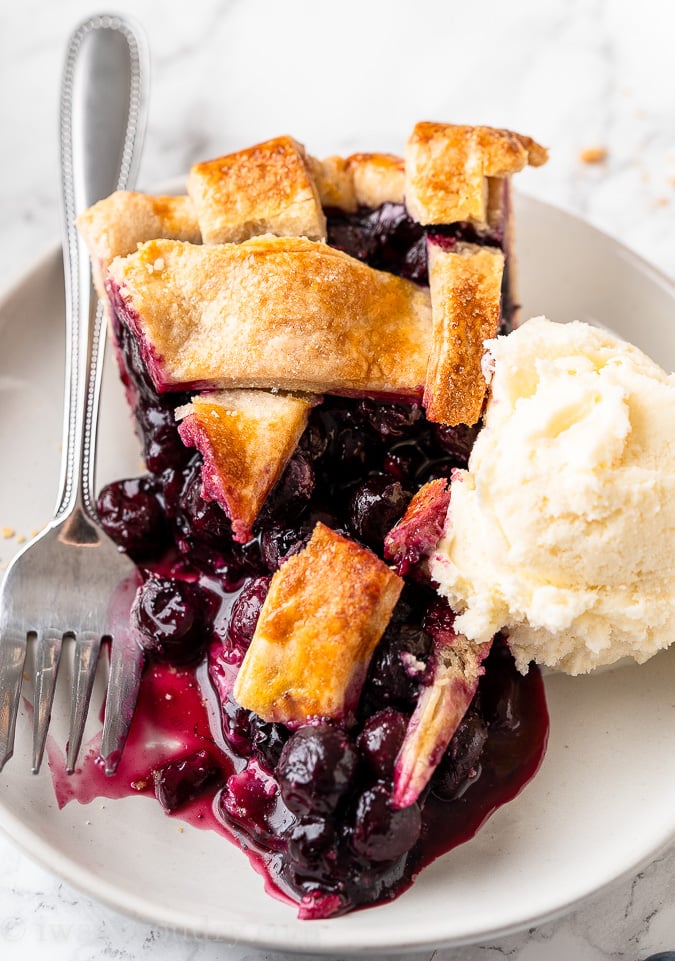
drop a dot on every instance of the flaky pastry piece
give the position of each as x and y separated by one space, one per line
272 312
448 167
360 180
246 438
115 226
265 189
457 666
418 532
465 284
325 612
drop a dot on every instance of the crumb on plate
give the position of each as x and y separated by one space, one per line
593 155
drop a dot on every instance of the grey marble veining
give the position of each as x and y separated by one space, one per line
575 74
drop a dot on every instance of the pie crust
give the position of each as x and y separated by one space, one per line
246 438
448 166
361 180
116 225
465 285
326 609
339 325
457 669
273 312
410 540
265 189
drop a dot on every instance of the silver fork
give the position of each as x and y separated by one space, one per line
62 583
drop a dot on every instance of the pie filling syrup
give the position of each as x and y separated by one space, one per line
311 807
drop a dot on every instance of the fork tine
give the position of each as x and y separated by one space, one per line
126 667
47 659
87 649
12 658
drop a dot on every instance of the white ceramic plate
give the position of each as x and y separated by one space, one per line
601 805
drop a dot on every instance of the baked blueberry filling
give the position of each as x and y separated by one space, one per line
315 803
388 239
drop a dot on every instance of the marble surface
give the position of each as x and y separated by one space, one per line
592 76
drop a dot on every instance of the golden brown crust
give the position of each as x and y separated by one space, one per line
274 312
284 315
264 189
325 612
115 226
361 180
334 182
246 438
465 286
447 167
378 178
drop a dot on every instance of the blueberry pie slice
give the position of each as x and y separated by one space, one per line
301 343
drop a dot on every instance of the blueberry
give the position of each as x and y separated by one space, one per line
183 781
314 440
132 515
380 740
267 740
311 843
439 619
460 765
200 519
355 451
398 244
174 618
456 441
236 725
349 237
399 665
661 956
292 492
246 611
415 265
434 469
404 459
502 703
250 801
277 543
173 481
385 238
392 421
316 768
375 506
162 445
382 833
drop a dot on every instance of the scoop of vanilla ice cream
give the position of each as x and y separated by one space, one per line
562 530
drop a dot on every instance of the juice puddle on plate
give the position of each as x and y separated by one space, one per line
178 714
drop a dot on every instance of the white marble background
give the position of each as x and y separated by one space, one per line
356 75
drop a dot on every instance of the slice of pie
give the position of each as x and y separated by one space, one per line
301 342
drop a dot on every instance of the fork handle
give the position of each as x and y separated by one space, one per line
102 122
